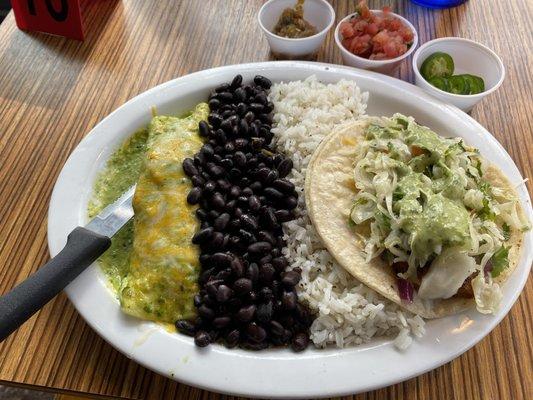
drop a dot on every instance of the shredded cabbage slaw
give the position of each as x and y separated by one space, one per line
422 197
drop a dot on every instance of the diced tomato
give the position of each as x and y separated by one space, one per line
375 37
372 29
346 30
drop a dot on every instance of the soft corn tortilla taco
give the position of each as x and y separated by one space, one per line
330 193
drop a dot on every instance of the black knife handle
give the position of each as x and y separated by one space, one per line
82 248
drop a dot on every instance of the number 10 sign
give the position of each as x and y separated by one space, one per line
58 17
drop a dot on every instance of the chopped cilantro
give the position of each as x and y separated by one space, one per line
500 261
506 231
486 212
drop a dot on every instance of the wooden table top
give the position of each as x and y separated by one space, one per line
53 91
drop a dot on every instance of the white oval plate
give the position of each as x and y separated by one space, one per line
271 373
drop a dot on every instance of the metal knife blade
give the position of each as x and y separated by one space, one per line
114 216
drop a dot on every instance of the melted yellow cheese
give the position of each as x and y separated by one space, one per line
164 267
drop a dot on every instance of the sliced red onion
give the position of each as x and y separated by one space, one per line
488 268
405 290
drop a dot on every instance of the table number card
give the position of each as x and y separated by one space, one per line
57 17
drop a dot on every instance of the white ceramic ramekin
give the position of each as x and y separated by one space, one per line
469 57
318 13
384 66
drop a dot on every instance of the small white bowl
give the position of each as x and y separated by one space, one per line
318 13
469 57
384 66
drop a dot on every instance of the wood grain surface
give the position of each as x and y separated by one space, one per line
53 91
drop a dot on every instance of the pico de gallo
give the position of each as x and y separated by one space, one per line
375 37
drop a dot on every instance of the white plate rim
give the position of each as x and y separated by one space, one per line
223 370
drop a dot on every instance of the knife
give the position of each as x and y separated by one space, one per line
84 246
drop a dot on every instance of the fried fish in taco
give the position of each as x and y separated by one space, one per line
420 218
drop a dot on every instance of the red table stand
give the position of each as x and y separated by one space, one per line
57 17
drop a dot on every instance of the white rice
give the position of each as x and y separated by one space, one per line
348 313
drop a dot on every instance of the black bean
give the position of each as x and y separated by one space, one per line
224 293
268 218
226 126
206 312
221 259
272 193
216 241
202 339
239 159
242 286
253 272
254 204
290 278
288 300
283 215
260 80
264 312
217 201
280 263
209 188
204 224
271 176
214 119
251 297
185 327
247 192
241 143
223 184
249 117
214 170
203 128
269 107
285 167
249 222
189 168
242 108
246 236
244 128
214 104
259 248
222 88
257 108
221 322
211 288
261 98
237 213
202 236
256 332
266 236
265 259
257 143
239 95
221 221
246 313
291 202
256 186
207 150
232 338
237 267
225 97
265 294
276 328
284 185
300 341
235 173
266 273
201 214
236 82
197 180
212 215
205 276
262 174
